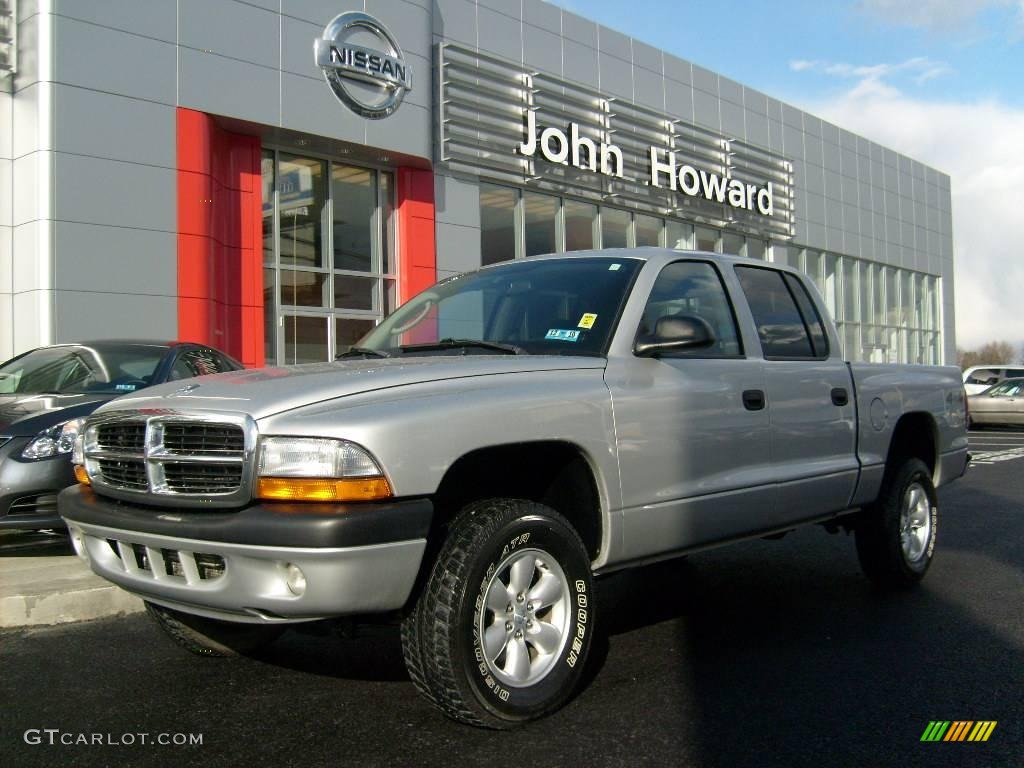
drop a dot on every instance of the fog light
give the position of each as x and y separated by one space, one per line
78 544
296 580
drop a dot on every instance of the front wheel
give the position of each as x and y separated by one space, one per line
896 535
500 633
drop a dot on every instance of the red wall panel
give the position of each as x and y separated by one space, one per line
417 253
220 240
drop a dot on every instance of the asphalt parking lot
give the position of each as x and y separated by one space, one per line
768 653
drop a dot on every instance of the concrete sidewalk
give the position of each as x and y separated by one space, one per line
42 582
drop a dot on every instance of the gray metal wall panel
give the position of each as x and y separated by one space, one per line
80 315
104 59
119 128
104 259
132 195
232 29
457 201
458 248
152 18
222 86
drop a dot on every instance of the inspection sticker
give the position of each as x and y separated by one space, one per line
587 321
560 334
614 267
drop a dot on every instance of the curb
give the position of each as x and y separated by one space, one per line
41 591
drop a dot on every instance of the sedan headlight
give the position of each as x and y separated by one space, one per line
317 469
58 439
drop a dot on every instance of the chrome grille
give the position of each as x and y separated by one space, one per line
202 478
122 436
124 474
209 439
167 454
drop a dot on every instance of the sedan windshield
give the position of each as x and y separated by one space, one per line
547 307
79 369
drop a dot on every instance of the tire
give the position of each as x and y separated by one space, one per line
896 535
212 637
500 633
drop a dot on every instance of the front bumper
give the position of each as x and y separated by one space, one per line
360 558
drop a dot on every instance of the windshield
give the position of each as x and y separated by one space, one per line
1008 388
548 307
78 370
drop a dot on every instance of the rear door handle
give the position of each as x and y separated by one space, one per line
840 397
753 399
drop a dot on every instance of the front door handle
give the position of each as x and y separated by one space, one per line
753 399
840 397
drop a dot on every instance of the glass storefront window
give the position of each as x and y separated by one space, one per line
849 289
830 280
267 168
648 230
301 288
355 204
579 225
679 235
497 224
708 239
305 339
387 221
540 216
328 255
614 228
732 244
300 203
757 249
349 330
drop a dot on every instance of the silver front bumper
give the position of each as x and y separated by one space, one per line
251 585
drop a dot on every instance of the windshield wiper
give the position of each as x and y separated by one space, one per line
362 352
494 346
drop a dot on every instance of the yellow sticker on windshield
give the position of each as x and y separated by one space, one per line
587 321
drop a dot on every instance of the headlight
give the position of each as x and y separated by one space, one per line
317 469
58 439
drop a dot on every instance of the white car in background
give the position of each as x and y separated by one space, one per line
978 378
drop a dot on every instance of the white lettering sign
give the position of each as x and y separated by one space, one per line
555 146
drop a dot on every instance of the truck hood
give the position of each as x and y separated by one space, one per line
266 391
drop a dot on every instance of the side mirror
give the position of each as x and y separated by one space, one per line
675 332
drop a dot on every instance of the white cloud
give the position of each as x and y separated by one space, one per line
934 15
978 144
872 77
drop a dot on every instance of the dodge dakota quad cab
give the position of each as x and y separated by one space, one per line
497 442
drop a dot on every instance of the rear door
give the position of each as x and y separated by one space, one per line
809 397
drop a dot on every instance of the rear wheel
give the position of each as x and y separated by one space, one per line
212 637
500 634
896 535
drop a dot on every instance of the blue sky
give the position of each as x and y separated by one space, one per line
967 48
939 80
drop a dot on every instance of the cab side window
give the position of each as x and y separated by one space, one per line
785 330
694 288
197 362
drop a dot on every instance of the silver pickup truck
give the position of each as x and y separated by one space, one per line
497 442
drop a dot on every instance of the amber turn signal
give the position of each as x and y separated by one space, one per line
322 489
81 475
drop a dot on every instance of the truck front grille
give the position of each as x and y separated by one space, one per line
206 439
203 478
124 474
166 454
122 436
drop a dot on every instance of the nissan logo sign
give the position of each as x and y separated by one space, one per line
370 78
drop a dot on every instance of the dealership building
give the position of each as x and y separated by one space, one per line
273 176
